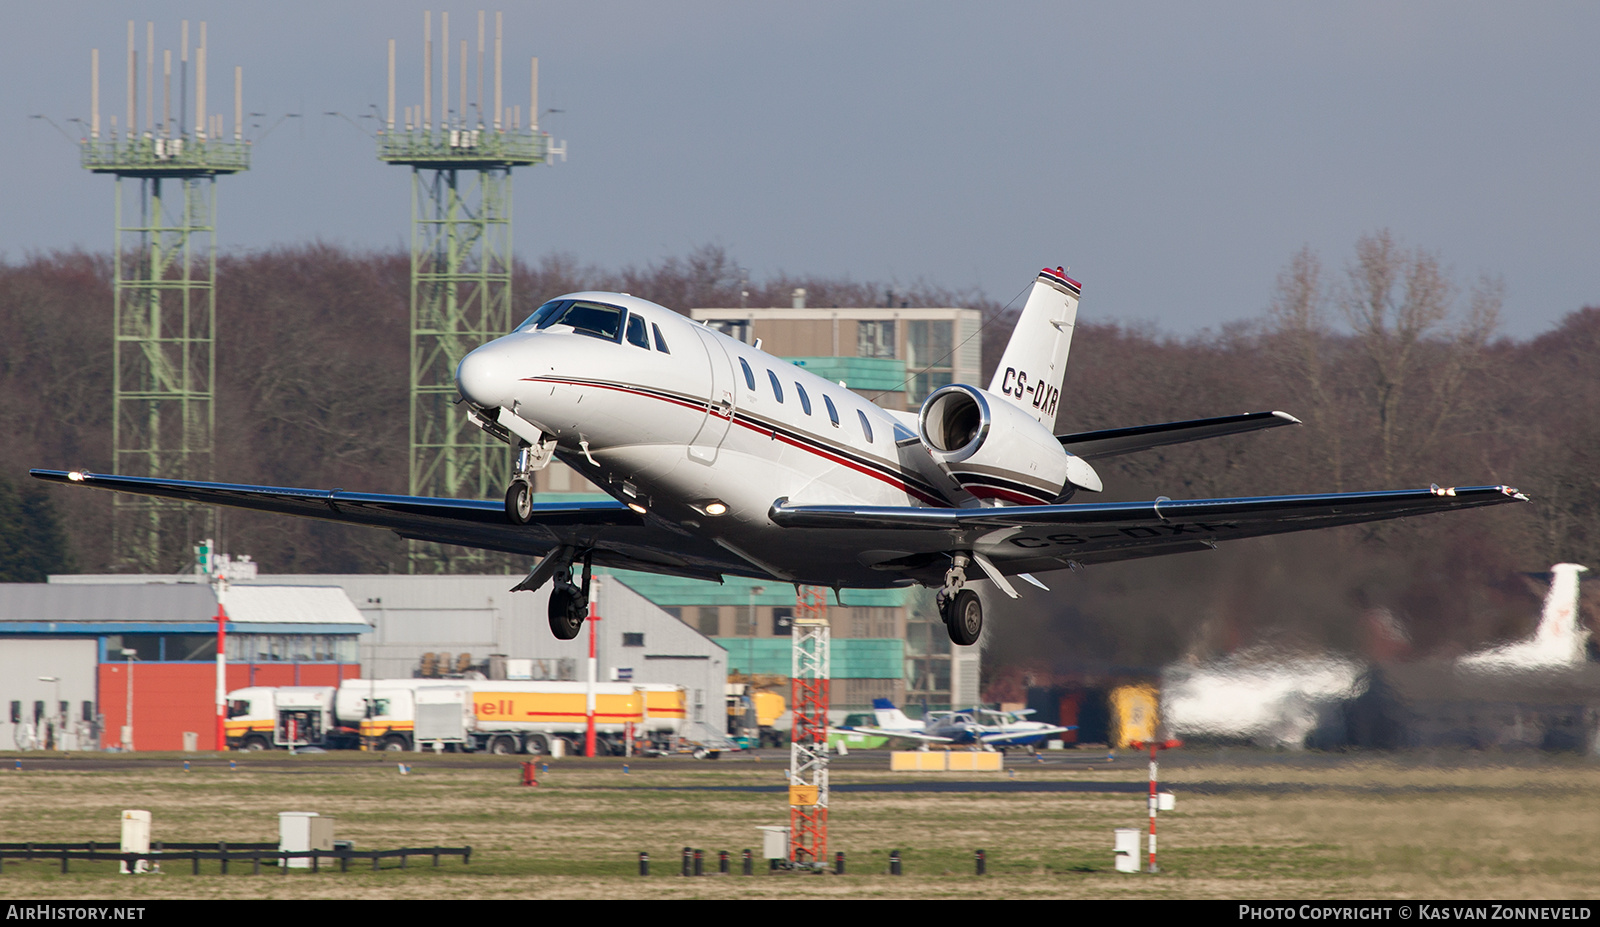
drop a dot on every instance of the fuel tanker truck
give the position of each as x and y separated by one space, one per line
492 715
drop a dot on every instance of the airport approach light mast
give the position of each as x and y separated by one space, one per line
461 161
164 271
809 678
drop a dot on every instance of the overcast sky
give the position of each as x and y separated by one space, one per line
1175 155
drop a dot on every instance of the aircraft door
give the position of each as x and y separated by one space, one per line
720 400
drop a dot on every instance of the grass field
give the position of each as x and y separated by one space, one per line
1247 825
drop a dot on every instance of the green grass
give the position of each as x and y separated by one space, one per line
1348 828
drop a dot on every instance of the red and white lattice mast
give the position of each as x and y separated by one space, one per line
808 739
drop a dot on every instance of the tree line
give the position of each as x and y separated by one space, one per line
1395 367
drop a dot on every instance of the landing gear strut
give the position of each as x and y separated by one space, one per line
519 495
569 602
960 607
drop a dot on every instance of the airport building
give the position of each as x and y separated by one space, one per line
129 662
405 625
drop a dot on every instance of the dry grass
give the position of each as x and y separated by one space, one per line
1247 826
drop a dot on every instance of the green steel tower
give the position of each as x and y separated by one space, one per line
164 281
460 268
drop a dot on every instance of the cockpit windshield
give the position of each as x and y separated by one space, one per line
594 319
553 307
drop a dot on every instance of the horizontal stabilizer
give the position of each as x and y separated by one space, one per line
1111 442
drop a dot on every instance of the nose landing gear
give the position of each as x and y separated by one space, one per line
960 607
519 495
519 501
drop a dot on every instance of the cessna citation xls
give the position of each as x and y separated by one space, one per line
725 460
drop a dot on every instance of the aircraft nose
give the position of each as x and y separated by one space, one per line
485 377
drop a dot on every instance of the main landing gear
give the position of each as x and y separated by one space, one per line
960 607
569 602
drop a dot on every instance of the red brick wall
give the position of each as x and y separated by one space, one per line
170 698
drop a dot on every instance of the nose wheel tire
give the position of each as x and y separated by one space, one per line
568 608
963 616
519 502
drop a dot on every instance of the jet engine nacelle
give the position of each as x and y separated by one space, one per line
997 451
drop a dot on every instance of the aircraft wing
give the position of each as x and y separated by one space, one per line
1091 445
1003 736
620 537
1025 538
912 735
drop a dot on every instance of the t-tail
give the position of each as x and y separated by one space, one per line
1035 361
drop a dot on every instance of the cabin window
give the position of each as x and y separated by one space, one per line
631 639
591 319
833 413
636 333
805 401
749 375
661 343
777 388
866 426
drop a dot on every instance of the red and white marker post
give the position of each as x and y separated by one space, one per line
594 618
1154 745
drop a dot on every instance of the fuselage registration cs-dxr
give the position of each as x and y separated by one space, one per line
725 460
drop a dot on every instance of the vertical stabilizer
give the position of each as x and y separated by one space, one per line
1560 639
891 718
1559 631
1035 361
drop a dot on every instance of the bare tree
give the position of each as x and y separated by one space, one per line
1297 323
1399 302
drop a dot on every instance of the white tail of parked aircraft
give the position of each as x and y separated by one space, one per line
891 718
1558 641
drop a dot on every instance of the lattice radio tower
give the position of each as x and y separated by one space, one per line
461 165
164 279
808 739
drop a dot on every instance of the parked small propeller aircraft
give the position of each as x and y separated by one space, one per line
978 727
726 460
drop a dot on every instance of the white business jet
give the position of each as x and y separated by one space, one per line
725 460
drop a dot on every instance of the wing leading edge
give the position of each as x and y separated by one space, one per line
1092 445
620 537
